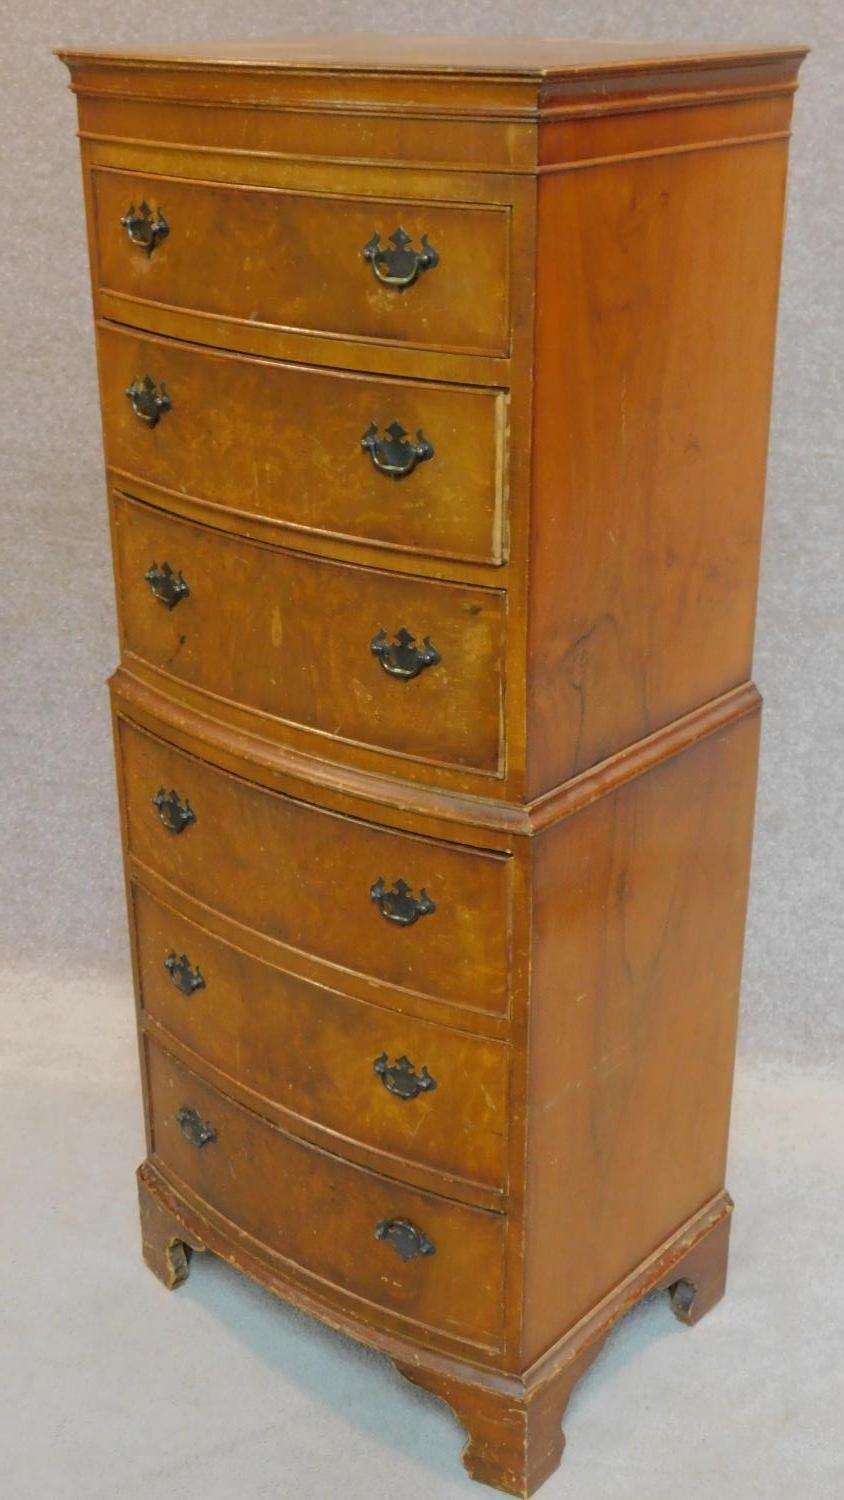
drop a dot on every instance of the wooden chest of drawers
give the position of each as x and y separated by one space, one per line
435 382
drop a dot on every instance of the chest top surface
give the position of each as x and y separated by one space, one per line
511 57
516 76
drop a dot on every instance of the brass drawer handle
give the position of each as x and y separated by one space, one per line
144 227
392 454
400 266
149 401
403 658
405 1238
175 814
166 584
399 905
194 1129
401 1078
185 978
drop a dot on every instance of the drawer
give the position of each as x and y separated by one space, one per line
284 443
304 877
316 643
295 260
325 1215
323 1056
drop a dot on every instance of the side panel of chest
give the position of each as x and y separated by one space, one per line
638 928
657 280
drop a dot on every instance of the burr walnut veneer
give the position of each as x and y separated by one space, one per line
435 380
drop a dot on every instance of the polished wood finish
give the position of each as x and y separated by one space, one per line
303 877
514 1432
304 468
638 920
571 785
512 1422
304 1054
658 469
255 631
292 260
320 1213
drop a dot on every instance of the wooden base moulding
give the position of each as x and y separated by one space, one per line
513 1423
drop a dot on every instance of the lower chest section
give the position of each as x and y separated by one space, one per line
326 1012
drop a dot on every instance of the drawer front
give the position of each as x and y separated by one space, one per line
296 260
324 1214
295 445
305 877
314 642
326 1057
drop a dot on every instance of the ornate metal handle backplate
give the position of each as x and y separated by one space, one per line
400 905
402 657
401 1078
185 978
194 1129
405 1238
175 814
144 227
393 454
400 265
166 584
149 401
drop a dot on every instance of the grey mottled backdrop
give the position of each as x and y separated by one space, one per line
62 884
89 1381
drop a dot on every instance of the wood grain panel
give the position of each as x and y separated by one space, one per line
322 1213
578 142
639 904
302 877
294 260
657 290
289 636
309 1051
283 442
400 136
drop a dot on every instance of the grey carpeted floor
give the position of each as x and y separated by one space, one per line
113 1389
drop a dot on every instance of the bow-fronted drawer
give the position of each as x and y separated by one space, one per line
413 466
411 667
355 1077
416 1255
425 274
427 919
